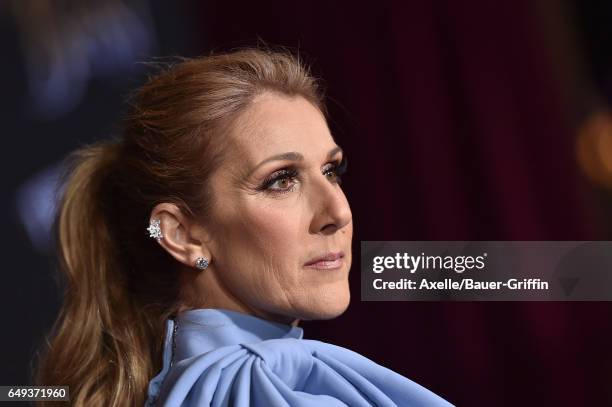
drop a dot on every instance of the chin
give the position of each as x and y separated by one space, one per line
327 306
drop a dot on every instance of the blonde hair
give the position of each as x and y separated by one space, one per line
119 286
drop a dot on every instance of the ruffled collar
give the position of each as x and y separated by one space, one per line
224 358
198 331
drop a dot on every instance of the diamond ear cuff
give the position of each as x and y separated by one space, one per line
155 230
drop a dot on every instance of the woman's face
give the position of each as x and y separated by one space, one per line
280 224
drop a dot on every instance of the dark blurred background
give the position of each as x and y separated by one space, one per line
471 120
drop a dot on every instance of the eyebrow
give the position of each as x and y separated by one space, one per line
293 156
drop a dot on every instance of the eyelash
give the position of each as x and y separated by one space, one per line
337 168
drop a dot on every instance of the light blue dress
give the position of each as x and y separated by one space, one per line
215 357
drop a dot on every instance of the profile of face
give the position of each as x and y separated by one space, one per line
278 233
280 224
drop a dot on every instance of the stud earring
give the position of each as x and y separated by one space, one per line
201 263
155 230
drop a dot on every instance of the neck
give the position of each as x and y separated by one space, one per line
205 290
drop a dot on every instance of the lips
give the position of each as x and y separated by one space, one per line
331 260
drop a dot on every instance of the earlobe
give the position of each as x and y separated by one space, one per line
177 234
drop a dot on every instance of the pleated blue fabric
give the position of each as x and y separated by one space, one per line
224 358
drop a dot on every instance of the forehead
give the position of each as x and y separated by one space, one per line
275 124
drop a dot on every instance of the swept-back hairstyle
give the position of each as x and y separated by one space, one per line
119 286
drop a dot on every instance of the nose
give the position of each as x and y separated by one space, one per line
331 209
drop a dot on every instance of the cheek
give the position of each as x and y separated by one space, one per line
260 253
262 243
276 231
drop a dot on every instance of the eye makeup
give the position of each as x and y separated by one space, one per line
288 173
334 169
337 169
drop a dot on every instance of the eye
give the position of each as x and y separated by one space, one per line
334 171
281 181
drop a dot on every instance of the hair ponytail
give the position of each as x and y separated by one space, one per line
98 350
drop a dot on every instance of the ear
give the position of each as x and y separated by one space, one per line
183 238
